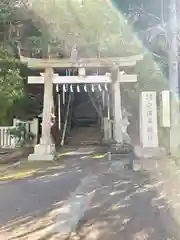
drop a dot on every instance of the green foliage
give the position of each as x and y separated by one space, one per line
149 20
148 13
150 76
27 107
21 134
11 83
96 28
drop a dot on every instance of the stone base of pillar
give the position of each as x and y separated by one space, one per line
43 152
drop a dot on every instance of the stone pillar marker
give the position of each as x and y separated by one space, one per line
45 150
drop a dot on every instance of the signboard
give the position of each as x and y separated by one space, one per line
148 120
165 108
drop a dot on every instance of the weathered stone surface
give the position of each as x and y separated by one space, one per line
150 152
43 152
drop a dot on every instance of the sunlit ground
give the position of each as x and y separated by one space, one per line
132 205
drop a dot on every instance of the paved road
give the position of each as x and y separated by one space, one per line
125 205
34 195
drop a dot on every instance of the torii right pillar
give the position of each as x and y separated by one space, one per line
117 107
118 122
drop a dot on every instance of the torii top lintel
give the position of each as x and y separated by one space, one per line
35 63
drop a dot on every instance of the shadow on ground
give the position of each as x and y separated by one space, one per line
126 206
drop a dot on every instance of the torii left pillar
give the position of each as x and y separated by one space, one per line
45 151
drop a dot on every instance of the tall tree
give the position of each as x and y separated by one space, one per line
94 26
13 17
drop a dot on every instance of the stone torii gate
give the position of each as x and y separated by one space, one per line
46 149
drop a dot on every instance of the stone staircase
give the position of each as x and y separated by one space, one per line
85 136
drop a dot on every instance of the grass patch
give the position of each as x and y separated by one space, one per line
99 156
24 169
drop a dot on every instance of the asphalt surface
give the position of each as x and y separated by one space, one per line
125 205
34 195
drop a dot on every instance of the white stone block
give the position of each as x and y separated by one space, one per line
43 152
43 157
44 149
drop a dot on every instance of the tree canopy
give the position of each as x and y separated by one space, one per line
97 28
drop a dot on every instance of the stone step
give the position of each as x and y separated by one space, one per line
85 136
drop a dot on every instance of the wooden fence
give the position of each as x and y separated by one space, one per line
8 141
